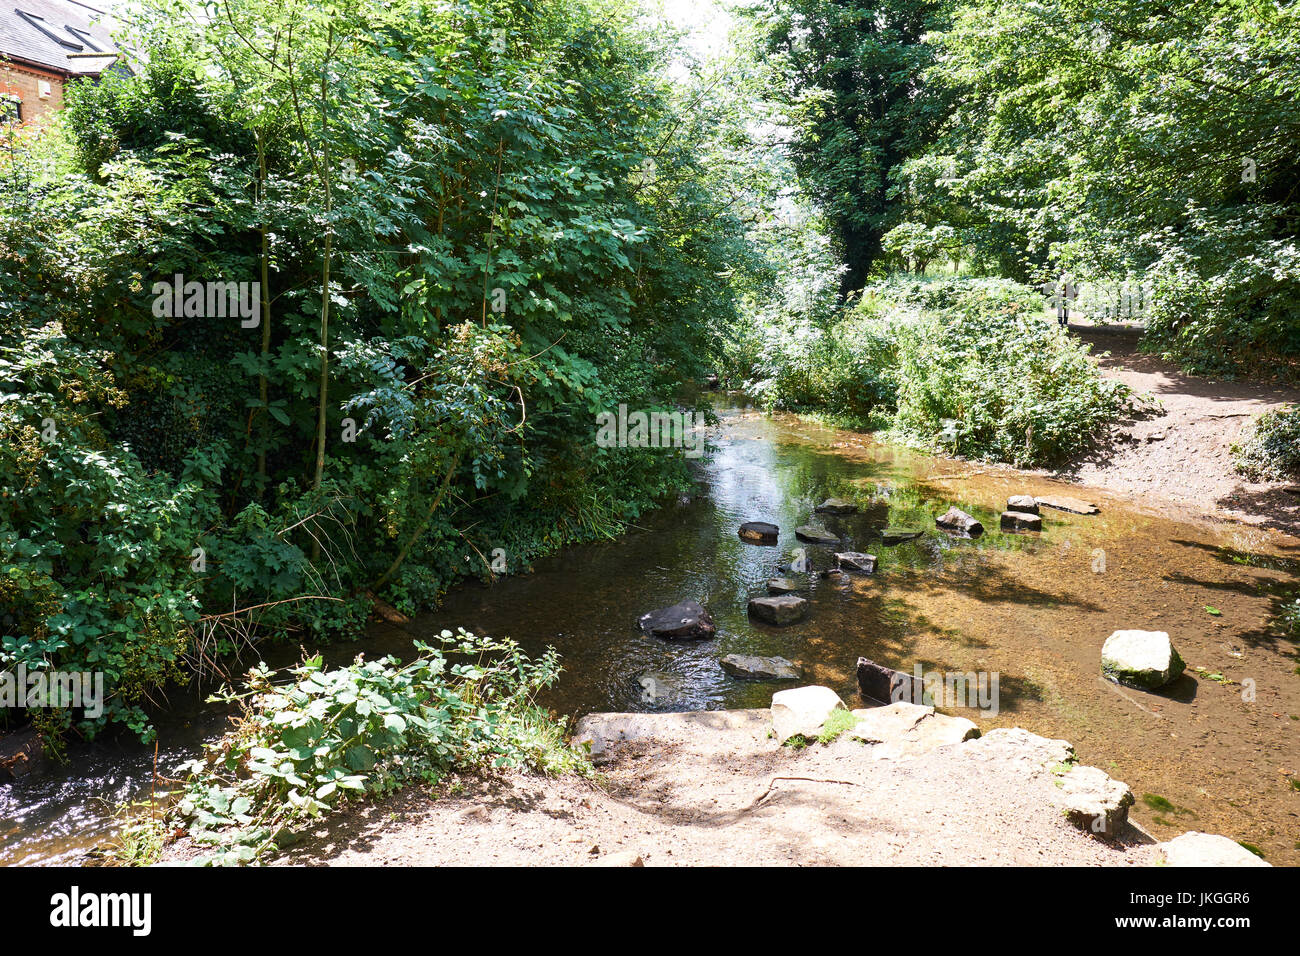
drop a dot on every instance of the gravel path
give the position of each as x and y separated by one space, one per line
1182 452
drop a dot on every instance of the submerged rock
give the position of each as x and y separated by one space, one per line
954 519
815 534
892 536
856 561
759 532
656 688
1142 659
685 621
1021 521
21 754
803 711
779 609
748 667
836 506
786 586
1072 505
1025 503
1207 849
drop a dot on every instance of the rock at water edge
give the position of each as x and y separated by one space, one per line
802 711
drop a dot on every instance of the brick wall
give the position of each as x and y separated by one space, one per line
23 81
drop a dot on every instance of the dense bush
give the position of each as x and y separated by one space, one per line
303 747
967 366
461 262
1271 450
987 377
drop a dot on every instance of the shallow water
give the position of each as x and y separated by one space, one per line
1030 608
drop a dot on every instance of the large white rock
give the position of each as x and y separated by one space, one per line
803 711
1206 849
1144 659
903 730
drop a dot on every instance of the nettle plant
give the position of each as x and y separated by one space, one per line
304 747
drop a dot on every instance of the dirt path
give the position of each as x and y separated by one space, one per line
713 788
1182 452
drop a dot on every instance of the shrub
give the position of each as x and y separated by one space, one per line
1271 452
987 377
305 747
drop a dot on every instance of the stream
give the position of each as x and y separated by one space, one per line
1216 751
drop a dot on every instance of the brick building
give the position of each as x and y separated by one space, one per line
44 45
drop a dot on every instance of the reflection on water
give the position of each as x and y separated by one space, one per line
1033 608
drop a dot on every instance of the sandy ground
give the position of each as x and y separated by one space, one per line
1181 451
713 788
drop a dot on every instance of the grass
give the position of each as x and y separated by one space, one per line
839 722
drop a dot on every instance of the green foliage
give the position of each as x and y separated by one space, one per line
989 378
1271 450
305 747
389 420
968 367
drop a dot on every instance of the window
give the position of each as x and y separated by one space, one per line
11 109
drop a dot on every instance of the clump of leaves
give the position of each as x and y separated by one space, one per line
1271 452
303 748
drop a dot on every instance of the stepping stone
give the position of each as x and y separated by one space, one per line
856 561
1074 506
759 532
780 610
954 519
815 534
892 536
1025 503
1142 659
803 711
786 586
681 622
878 682
748 667
1021 521
836 506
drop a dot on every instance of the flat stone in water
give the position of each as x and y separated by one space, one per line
836 506
892 536
780 610
856 561
1025 503
1075 506
750 667
786 586
1021 521
815 534
759 532
954 519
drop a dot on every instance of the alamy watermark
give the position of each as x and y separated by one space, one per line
208 300
951 689
31 690
624 429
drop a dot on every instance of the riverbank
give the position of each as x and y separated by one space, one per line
716 789
1181 450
